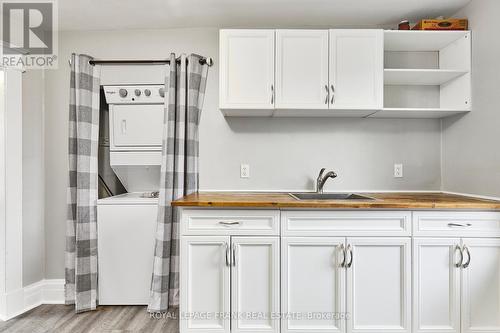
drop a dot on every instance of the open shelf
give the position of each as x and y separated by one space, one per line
426 74
435 77
416 113
414 40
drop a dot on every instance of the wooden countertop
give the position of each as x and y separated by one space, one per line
391 200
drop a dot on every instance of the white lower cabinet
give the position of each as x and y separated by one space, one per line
313 284
255 284
456 285
205 284
436 285
346 284
235 276
378 285
229 284
481 286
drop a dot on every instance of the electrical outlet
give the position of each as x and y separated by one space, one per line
398 170
244 171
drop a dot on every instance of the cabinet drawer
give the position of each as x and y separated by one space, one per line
345 223
456 224
229 222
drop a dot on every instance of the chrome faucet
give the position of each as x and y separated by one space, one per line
320 182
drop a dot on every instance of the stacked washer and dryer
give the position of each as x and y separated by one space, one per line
127 222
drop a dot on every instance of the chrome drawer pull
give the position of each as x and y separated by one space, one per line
461 225
461 260
229 223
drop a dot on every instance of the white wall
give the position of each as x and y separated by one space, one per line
471 158
284 154
33 177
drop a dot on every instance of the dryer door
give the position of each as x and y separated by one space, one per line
136 127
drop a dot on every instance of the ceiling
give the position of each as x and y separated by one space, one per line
159 14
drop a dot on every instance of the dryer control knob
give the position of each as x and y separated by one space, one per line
162 92
123 92
147 92
137 92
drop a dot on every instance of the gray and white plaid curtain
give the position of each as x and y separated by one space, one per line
81 225
185 85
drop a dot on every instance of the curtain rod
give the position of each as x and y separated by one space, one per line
209 61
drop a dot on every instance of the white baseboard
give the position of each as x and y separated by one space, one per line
24 299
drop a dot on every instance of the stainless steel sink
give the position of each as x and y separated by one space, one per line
329 196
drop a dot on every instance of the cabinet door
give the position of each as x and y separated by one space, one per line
378 285
357 69
204 284
302 69
436 285
119 226
313 283
246 69
481 286
255 284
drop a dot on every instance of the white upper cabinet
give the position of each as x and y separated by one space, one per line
247 71
302 69
356 69
344 73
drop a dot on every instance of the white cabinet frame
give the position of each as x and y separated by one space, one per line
327 239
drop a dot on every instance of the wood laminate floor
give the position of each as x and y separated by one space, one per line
106 319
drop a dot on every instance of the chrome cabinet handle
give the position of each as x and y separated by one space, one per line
461 260
351 255
229 223
333 94
466 250
234 255
272 93
462 225
227 255
327 94
342 249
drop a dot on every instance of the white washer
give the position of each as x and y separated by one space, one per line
126 226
